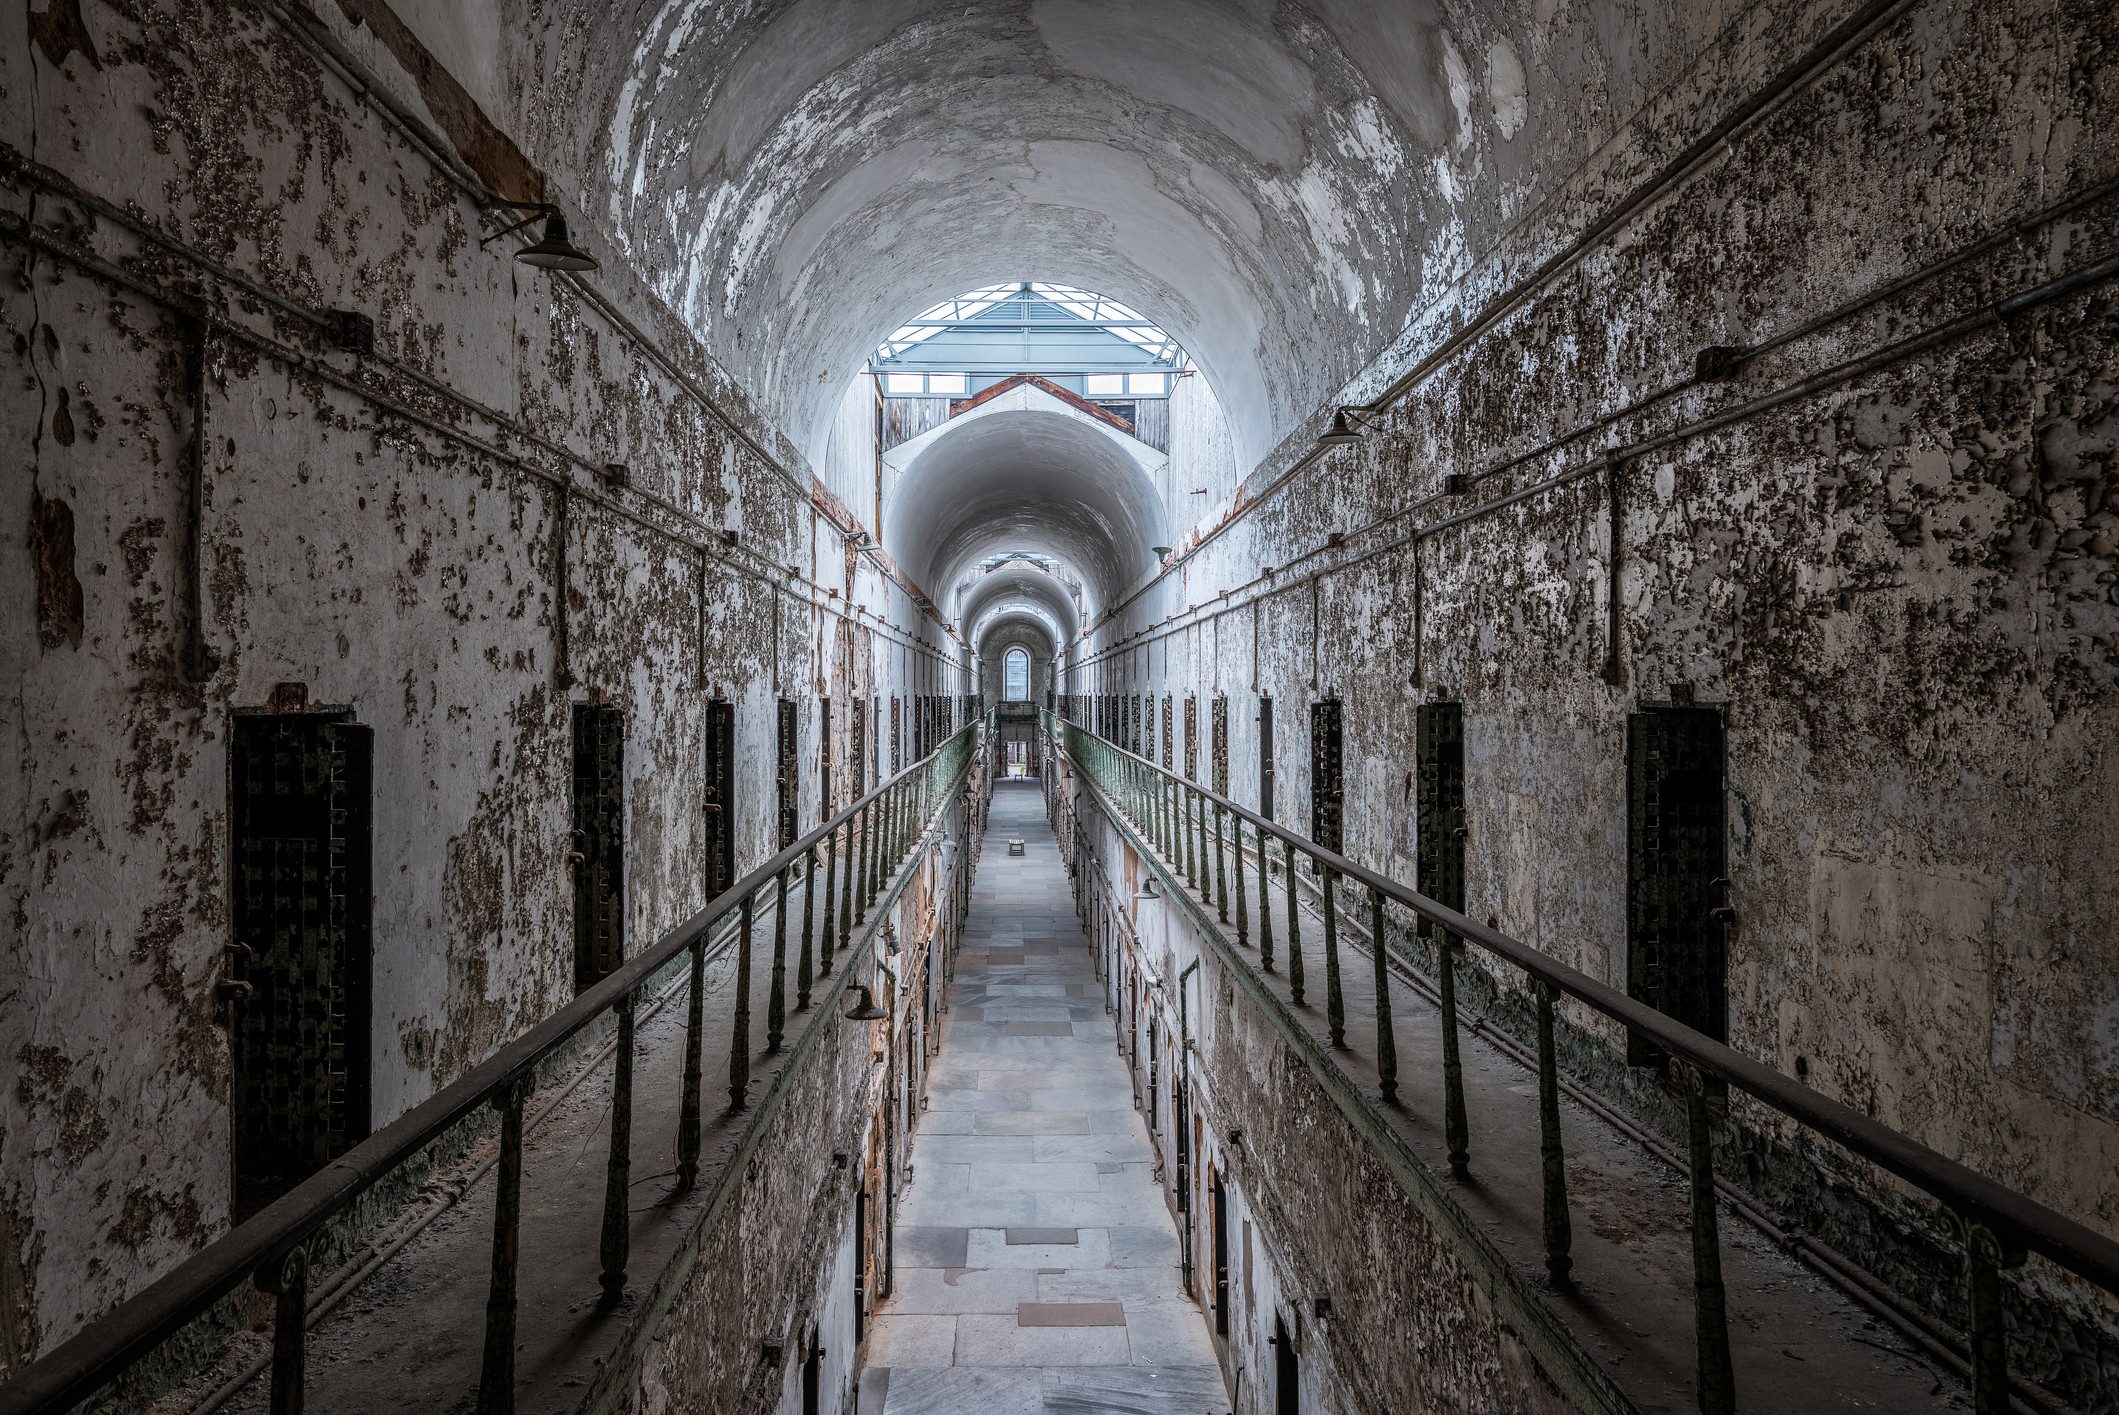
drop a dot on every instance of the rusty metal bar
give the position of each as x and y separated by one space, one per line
831 867
1386 1035
1987 1331
846 918
776 993
287 1281
496 1378
1715 1387
1334 1000
1265 901
1287 859
865 847
1559 1230
1221 874
616 1248
694 1042
739 1040
803 975
1455 1129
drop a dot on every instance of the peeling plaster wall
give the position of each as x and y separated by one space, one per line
410 570
1901 585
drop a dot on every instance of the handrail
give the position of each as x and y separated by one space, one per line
1998 1225
879 829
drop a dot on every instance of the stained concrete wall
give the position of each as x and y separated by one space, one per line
394 544
1900 585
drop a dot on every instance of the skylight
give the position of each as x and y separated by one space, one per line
1033 297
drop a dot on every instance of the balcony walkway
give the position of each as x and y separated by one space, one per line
1036 1261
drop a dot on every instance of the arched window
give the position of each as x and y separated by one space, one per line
1015 677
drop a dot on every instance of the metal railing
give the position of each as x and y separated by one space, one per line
1203 839
855 855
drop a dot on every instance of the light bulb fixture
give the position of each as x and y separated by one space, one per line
1147 889
556 251
1348 424
1160 550
890 937
866 1010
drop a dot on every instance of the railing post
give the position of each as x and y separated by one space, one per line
1287 855
846 884
869 821
694 1040
1559 1230
739 1041
1191 856
776 997
1334 999
803 976
1716 1381
496 1378
1221 876
618 1175
1265 901
1386 1036
831 869
1455 1129
1987 1331
287 1281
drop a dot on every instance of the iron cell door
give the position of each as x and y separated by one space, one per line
1674 866
1287 1374
1265 762
1438 745
897 738
857 750
786 775
720 803
301 811
1327 786
1220 731
598 857
1221 1256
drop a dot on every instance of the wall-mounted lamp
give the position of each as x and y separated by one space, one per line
866 1010
1348 424
1160 550
890 937
555 251
1147 889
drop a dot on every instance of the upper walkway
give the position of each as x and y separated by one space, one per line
1036 1262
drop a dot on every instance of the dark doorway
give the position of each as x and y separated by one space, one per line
599 841
813 1376
1674 871
1287 1373
1265 761
1221 1256
720 804
301 812
1438 747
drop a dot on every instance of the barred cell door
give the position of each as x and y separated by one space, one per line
720 805
301 812
1674 865
786 776
1438 745
1327 784
598 856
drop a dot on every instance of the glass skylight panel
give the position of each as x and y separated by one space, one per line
955 383
1105 385
1034 308
902 384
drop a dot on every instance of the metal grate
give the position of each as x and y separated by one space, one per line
1439 752
301 817
599 841
1327 785
720 804
787 776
